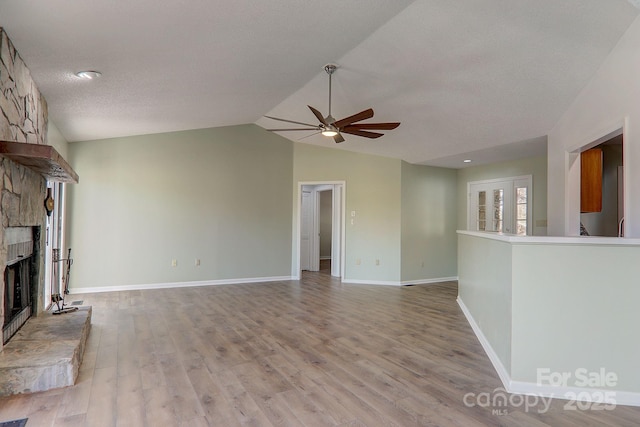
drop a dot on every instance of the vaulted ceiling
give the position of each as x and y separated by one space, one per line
484 79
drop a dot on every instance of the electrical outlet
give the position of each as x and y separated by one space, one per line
197 262
377 261
174 263
358 261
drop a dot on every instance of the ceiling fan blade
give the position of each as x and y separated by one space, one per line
285 130
291 121
318 115
362 115
373 126
362 133
338 138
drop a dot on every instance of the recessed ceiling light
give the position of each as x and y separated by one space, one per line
88 74
467 160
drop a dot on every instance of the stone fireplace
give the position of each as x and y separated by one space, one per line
23 119
21 194
46 351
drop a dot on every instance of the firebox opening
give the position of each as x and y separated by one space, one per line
19 280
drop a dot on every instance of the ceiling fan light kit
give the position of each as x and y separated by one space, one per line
331 127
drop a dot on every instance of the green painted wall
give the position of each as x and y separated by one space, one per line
226 196
588 294
56 140
429 200
535 166
485 288
220 195
373 189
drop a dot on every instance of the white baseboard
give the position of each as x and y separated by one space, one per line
577 394
398 283
428 281
371 282
97 289
527 388
493 356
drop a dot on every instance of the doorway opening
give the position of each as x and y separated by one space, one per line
574 194
320 229
602 189
325 228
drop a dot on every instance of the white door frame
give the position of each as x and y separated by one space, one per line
338 229
54 240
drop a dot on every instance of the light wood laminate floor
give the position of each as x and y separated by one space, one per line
308 353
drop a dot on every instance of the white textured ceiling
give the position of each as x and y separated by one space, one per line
473 78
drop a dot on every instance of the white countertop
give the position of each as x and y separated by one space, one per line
562 240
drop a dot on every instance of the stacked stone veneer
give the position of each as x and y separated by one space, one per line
23 110
23 118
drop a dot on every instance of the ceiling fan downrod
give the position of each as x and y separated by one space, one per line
330 69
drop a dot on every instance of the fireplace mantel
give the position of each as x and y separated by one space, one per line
43 159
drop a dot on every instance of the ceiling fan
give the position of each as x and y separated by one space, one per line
329 126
